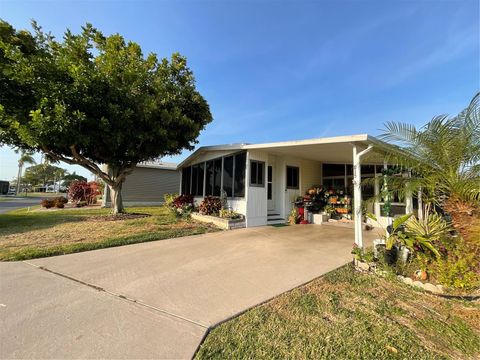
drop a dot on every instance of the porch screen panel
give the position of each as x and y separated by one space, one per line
228 175
194 179
186 179
199 179
217 177
239 176
209 178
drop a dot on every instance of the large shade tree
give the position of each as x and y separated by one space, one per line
96 100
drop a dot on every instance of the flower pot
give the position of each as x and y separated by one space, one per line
404 254
421 275
390 256
378 246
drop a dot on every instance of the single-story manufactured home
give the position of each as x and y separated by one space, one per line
147 184
262 181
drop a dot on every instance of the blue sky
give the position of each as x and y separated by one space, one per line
280 70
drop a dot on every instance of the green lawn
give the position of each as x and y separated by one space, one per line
348 315
32 234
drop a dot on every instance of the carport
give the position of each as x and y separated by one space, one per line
157 299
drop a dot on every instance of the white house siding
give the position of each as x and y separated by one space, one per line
256 197
147 186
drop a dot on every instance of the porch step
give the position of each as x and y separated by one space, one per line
275 220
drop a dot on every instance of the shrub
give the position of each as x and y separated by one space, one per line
210 205
81 204
180 205
60 202
62 199
47 203
459 268
229 214
83 191
169 199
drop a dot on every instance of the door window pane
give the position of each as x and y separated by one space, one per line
257 173
292 177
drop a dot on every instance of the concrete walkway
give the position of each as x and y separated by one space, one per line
156 300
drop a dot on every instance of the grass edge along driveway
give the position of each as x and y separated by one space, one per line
33 234
348 315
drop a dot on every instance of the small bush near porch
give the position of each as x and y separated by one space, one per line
347 315
32 234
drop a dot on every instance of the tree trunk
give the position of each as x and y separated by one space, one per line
116 199
464 216
19 179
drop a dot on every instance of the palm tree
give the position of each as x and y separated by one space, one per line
444 159
26 157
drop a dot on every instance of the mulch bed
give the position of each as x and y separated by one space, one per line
117 217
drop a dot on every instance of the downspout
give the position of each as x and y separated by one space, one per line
357 193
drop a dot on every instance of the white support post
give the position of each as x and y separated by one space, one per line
376 205
420 204
357 194
408 198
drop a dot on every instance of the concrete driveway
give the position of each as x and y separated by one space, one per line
158 299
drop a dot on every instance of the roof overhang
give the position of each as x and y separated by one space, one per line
336 149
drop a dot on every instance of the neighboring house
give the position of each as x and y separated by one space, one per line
147 184
262 180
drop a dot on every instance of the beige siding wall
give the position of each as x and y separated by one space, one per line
148 185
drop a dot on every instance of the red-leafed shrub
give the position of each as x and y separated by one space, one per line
181 205
82 191
183 200
210 205
47 203
60 202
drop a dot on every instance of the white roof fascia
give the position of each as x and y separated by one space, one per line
364 138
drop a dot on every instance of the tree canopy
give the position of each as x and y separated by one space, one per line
69 178
92 99
43 174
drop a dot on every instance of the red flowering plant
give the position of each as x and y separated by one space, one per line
82 192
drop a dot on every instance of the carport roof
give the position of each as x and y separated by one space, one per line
328 149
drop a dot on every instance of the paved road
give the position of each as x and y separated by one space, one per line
13 204
158 299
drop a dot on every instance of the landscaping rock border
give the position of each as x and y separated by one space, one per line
226 224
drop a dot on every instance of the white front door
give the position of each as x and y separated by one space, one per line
270 189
